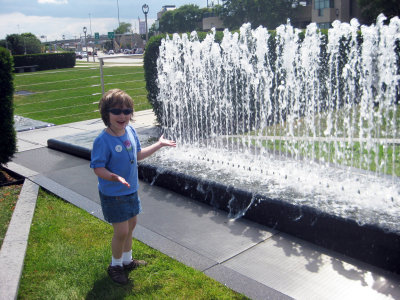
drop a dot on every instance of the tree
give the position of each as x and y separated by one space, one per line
8 145
31 42
26 43
108 45
123 28
183 19
153 30
370 9
268 13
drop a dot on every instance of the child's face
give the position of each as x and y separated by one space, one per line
119 117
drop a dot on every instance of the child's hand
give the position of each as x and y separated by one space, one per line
115 177
165 142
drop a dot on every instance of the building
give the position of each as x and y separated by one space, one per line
324 12
142 27
210 20
164 9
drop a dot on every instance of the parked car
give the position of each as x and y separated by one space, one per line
127 51
84 54
78 55
111 52
139 51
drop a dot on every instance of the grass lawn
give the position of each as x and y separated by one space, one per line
8 199
70 95
69 251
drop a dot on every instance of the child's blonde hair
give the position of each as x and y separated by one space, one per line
114 98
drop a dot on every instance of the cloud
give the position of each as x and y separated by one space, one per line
53 1
54 28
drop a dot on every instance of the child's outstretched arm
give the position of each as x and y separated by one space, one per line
107 175
162 142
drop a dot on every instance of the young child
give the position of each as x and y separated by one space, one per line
114 159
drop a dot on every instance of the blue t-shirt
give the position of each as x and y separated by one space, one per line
111 152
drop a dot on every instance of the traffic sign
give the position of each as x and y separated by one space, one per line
111 35
96 35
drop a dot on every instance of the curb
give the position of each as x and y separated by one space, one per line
12 252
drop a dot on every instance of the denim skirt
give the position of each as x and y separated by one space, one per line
118 209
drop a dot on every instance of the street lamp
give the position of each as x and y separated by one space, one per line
145 9
84 31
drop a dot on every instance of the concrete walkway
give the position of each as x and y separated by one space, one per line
255 260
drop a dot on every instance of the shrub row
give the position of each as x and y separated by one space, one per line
46 61
8 145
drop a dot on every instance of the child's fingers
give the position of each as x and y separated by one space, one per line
123 181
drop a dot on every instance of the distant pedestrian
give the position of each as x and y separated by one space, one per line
114 159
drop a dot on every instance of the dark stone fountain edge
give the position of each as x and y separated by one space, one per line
368 243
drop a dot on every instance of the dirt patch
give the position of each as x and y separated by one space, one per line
9 178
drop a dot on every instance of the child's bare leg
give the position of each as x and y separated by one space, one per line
131 226
121 235
128 262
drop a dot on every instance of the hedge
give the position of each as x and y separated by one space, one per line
46 61
8 144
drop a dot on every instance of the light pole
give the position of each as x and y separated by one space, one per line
84 31
145 9
90 20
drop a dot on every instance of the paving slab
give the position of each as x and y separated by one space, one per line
304 271
243 284
44 160
40 136
172 248
23 145
23 123
197 226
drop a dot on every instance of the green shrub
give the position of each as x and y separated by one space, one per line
8 145
150 73
46 61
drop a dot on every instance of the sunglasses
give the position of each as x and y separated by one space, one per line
118 111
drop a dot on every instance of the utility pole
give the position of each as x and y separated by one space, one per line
90 20
119 24
84 31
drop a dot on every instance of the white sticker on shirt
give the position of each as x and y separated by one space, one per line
118 148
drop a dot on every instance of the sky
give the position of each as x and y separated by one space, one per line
49 20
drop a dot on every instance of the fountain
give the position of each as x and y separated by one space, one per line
298 131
